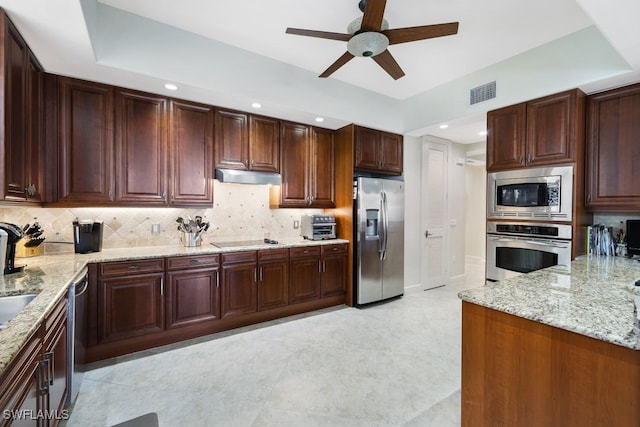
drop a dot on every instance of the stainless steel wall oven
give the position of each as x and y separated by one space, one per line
514 248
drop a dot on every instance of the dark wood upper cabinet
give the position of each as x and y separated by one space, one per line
21 119
613 150
307 156
542 132
86 142
141 148
191 148
232 139
377 151
247 142
264 144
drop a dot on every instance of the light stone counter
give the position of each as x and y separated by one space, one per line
50 276
595 299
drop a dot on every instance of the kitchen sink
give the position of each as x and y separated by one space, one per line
11 306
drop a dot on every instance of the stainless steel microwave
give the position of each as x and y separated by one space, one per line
535 193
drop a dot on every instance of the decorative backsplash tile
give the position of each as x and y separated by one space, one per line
240 212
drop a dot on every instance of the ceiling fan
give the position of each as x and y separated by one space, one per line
370 36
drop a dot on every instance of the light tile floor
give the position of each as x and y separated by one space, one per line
392 364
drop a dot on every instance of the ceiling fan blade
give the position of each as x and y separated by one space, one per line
319 34
410 34
389 64
373 12
339 63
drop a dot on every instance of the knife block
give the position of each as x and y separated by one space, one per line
24 252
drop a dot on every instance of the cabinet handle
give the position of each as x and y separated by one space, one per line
162 286
110 195
49 357
529 158
134 267
217 280
43 371
194 261
261 278
255 275
521 160
589 198
252 163
164 195
319 266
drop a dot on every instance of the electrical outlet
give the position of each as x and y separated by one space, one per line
296 224
155 228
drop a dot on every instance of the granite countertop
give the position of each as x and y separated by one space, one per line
50 276
596 298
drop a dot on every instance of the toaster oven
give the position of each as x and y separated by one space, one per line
318 226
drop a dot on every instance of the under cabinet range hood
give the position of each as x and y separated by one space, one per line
247 177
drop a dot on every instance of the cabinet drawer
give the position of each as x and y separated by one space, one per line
131 267
183 262
340 248
304 251
236 257
273 254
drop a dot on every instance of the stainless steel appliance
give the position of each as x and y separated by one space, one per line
4 237
379 239
514 248
14 235
318 226
534 194
87 236
76 321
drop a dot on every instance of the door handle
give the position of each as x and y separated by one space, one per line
426 234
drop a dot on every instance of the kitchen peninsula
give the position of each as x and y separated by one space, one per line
554 348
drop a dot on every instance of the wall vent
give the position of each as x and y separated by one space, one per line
482 93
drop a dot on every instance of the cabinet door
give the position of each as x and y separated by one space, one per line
264 144
273 284
15 113
34 166
131 306
56 355
191 141
366 148
22 381
193 297
334 270
86 142
239 294
232 140
295 155
304 279
613 150
551 123
322 180
391 154
506 133
141 147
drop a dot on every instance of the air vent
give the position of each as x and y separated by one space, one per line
482 93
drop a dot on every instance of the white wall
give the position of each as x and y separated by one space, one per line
476 199
412 232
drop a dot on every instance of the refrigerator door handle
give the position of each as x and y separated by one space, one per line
381 230
385 226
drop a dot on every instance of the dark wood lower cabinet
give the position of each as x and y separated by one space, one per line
33 388
141 304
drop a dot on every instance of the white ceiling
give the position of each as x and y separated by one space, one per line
231 53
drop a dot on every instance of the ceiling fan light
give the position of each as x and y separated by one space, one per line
367 44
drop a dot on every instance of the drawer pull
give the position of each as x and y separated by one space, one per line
194 261
134 267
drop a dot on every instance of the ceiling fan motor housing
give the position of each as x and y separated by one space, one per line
367 44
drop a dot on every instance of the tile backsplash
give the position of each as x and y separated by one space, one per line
239 212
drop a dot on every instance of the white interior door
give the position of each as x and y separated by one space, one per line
433 269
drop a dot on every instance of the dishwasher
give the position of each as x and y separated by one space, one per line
77 320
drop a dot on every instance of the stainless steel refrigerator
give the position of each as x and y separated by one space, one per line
379 237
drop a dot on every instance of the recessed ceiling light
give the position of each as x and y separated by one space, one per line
256 105
171 86
483 133
319 119
444 126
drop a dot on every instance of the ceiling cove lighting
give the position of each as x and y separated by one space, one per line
256 105
170 86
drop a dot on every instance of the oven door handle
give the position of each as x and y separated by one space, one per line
503 239
552 245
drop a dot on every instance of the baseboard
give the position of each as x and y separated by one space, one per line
457 279
472 259
412 289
